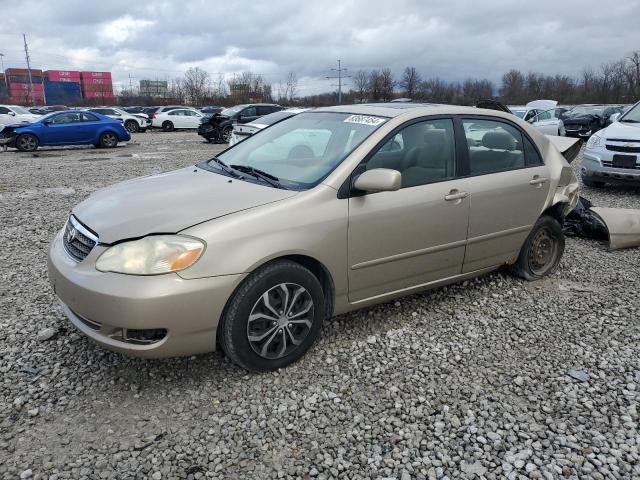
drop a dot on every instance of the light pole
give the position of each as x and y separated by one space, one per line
2 66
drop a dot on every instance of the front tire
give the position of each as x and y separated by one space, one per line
27 142
132 126
542 250
108 140
226 134
273 318
167 126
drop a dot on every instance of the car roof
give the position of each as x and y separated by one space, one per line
396 109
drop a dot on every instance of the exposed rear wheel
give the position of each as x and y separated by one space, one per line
108 140
27 142
542 250
273 318
132 126
226 134
167 126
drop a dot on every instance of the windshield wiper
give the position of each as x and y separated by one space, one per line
629 120
224 167
267 177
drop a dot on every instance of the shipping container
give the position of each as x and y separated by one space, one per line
97 88
96 81
90 75
23 79
62 93
22 71
97 94
19 87
63 75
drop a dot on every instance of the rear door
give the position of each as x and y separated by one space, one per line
415 235
508 186
248 115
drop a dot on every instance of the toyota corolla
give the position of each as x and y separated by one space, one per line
326 212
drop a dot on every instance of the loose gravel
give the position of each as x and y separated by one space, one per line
492 378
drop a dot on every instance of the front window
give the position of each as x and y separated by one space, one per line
274 118
20 110
519 113
304 149
632 116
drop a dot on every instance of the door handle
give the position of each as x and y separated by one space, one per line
455 195
538 180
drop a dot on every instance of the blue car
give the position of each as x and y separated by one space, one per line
72 127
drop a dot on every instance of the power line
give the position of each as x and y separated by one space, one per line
339 77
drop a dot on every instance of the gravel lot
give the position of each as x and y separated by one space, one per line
493 378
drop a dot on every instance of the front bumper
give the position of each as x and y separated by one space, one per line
595 167
105 306
578 131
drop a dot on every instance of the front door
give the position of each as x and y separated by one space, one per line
415 235
508 187
66 129
248 115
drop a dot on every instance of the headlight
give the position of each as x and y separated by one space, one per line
151 255
594 141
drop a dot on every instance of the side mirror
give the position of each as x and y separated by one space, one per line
614 117
379 180
13 114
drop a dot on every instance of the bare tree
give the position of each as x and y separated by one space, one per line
196 84
292 85
374 85
387 84
410 82
361 82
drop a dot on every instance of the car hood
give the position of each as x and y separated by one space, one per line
581 119
169 203
623 131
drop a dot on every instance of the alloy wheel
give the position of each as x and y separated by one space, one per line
109 140
226 135
280 320
27 143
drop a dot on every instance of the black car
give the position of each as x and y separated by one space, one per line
218 127
210 110
584 120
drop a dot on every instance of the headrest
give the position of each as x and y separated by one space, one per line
435 136
498 141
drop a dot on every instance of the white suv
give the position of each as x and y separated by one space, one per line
177 118
10 114
133 123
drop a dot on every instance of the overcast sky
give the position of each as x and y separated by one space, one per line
453 39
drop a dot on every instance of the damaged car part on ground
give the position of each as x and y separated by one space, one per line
620 227
293 210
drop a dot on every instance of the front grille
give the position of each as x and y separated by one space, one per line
77 240
623 148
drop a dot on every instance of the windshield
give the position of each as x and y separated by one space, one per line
633 115
228 112
586 111
518 113
302 150
20 110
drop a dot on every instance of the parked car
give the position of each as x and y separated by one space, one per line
133 123
612 154
313 217
38 110
73 127
218 127
584 120
210 110
10 114
177 118
241 131
542 114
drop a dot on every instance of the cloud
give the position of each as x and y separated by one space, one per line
453 39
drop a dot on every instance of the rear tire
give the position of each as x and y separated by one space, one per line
167 126
108 140
273 318
542 250
592 183
132 126
27 142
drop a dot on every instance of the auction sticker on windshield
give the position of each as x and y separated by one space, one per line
365 120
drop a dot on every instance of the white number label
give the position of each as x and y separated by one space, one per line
365 120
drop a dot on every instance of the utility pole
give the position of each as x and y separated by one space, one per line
2 67
340 76
26 56
130 85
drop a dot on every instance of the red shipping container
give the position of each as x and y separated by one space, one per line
24 87
63 75
96 81
97 88
90 75
22 71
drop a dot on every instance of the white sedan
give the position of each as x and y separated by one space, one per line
10 114
178 118
133 123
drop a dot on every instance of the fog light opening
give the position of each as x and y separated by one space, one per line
144 336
